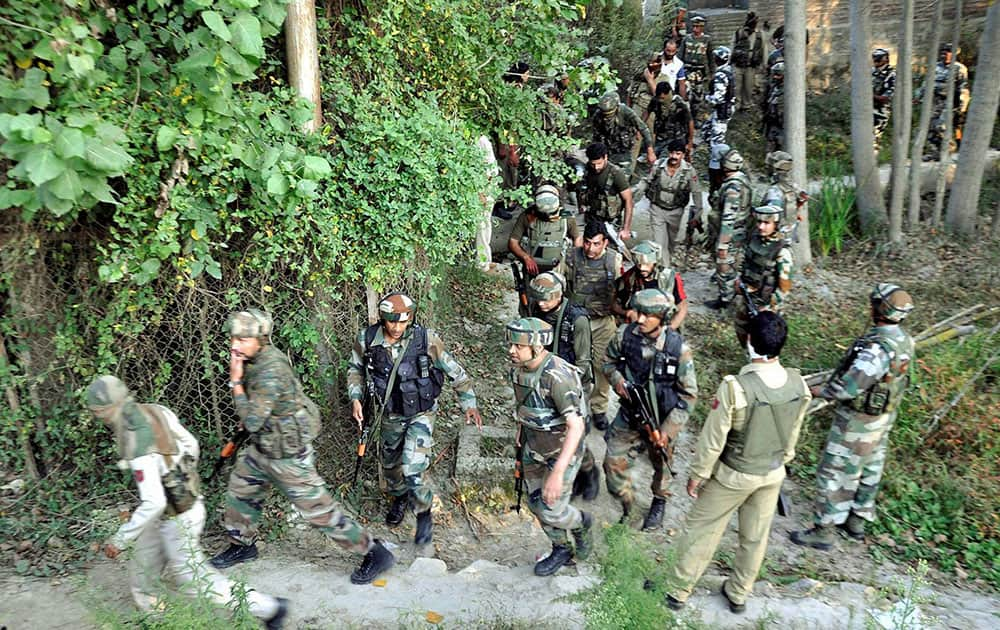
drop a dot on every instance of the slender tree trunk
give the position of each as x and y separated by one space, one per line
24 429
902 113
302 50
795 114
944 155
916 165
871 206
964 201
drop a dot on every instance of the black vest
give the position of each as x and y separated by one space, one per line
418 382
662 369
563 322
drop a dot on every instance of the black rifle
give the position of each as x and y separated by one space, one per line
640 409
518 478
229 450
520 285
371 413
751 306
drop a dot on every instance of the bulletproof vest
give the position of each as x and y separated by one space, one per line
741 48
662 369
789 195
725 109
759 447
563 322
669 194
532 409
294 421
618 134
669 124
885 395
546 242
760 264
632 283
603 201
696 52
181 483
418 381
593 283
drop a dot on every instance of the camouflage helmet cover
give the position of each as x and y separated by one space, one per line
779 161
646 252
732 160
546 286
396 307
106 391
653 302
547 200
722 54
891 302
529 331
250 323
609 103
778 69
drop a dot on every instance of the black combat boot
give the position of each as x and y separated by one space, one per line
734 608
579 483
235 554
425 528
654 518
278 619
377 560
854 526
561 554
397 510
626 510
592 484
718 304
600 421
583 538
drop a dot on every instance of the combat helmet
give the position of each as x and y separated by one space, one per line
732 160
646 252
778 161
250 323
653 302
396 307
609 104
722 55
879 54
891 302
547 201
106 391
546 286
769 212
697 19
778 70
529 331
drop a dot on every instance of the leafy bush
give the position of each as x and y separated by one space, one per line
833 215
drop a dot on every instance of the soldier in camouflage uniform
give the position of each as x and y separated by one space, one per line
868 388
729 222
777 56
590 282
696 49
282 422
652 356
671 120
649 272
570 342
162 533
774 109
403 365
606 194
883 87
956 106
783 191
550 416
615 126
671 185
749 435
642 89
542 234
766 271
721 98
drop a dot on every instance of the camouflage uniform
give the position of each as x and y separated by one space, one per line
618 134
601 195
883 84
696 53
631 356
407 438
730 214
672 121
163 531
669 195
282 423
959 105
767 273
721 96
868 388
774 117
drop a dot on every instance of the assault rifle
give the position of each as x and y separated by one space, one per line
518 477
229 450
640 409
520 285
751 307
372 417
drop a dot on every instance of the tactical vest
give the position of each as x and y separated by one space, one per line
593 283
664 280
790 202
662 195
662 369
418 381
603 201
563 322
668 124
532 409
294 421
617 134
696 53
759 447
546 242
760 265
181 483
884 396
724 110
741 48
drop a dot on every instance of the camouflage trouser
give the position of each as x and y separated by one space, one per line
935 134
406 454
297 479
540 453
741 316
713 131
725 271
880 122
696 88
624 444
602 330
850 471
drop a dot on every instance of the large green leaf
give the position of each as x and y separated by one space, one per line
67 186
217 25
246 35
70 143
43 165
316 167
166 136
107 157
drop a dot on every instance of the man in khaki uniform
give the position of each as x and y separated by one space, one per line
739 464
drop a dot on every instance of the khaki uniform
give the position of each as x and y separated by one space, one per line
669 195
741 452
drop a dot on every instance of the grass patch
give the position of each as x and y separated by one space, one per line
834 216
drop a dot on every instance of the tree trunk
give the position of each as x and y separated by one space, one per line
24 428
302 50
871 206
925 119
795 114
964 202
902 112
944 155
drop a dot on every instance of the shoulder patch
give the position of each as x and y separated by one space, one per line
139 476
715 403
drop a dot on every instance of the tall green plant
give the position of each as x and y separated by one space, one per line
833 215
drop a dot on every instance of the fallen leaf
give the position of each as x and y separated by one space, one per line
379 582
433 617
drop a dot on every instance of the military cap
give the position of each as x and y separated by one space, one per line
529 331
697 19
732 160
106 391
546 286
879 53
891 302
396 307
653 302
250 323
547 200
646 252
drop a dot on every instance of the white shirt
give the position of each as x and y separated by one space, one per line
672 71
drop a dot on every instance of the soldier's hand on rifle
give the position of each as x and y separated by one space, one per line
553 486
530 266
357 412
694 486
472 415
620 389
